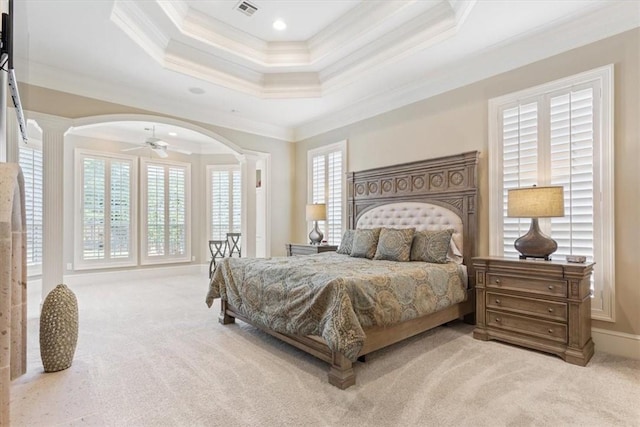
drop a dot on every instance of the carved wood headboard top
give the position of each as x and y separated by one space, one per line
450 182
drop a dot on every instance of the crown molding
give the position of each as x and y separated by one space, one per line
135 23
538 44
46 76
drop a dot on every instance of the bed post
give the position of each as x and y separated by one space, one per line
224 317
341 372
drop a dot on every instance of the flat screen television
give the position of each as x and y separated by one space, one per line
6 64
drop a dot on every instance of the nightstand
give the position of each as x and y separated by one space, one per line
306 249
544 305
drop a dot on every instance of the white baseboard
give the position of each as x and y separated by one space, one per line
618 343
135 274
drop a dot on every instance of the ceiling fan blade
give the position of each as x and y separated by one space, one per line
131 149
161 152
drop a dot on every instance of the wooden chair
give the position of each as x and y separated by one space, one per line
218 249
233 244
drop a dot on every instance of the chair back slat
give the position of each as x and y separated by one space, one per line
233 244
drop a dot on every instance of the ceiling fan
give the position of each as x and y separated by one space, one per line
157 145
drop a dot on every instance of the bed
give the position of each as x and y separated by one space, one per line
340 308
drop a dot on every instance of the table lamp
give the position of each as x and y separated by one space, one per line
316 212
536 202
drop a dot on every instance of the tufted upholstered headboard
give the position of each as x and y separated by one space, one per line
447 182
421 216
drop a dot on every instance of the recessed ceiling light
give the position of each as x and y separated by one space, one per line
173 133
196 90
279 25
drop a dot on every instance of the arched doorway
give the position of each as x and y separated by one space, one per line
127 135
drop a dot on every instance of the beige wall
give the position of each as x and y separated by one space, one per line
456 121
42 100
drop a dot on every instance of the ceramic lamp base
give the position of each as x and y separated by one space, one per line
535 244
315 237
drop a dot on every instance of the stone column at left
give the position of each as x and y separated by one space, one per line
53 130
13 286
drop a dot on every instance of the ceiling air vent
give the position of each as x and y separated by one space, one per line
246 8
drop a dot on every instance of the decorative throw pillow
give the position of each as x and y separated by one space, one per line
394 244
346 243
365 242
431 246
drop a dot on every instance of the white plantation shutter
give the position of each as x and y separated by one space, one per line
165 205
219 211
120 213
105 230
155 204
334 198
559 134
93 209
318 186
327 185
177 211
30 160
236 199
571 143
225 207
520 165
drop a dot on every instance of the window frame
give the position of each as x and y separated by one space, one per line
132 260
325 150
603 302
145 259
228 168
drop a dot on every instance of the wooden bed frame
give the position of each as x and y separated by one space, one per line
450 182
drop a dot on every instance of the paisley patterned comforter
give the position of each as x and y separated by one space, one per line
335 296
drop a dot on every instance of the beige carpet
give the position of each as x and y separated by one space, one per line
151 353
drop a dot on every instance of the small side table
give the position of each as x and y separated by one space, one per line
294 249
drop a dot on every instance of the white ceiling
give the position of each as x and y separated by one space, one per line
337 62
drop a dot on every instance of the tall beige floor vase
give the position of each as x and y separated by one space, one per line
58 329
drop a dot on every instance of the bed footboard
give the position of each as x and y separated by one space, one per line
341 373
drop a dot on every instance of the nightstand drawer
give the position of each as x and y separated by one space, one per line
556 288
539 328
536 307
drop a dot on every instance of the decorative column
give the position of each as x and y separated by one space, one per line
248 167
53 130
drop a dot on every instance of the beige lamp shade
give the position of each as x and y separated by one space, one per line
536 202
316 212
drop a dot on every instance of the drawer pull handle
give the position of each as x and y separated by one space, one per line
497 319
497 301
550 310
497 281
550 331
550 287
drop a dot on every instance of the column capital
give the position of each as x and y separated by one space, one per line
49 123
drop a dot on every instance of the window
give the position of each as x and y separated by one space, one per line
31 163
165 188
327 183
560 133
106 210
224 190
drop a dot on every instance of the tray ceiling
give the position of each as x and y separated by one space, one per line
337 62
